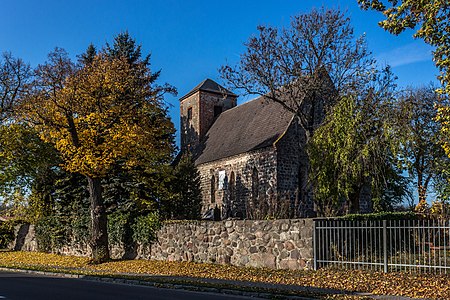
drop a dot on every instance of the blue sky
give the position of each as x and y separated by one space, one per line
188 40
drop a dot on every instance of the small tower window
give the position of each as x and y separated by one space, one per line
189 113
217 110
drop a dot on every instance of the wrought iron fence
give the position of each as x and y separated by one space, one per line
393 245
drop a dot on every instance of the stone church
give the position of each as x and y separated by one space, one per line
245 154
249 156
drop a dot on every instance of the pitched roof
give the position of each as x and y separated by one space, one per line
211 86
250 126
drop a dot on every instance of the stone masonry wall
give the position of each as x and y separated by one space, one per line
278 244
293 164
202 105
237 191
206 111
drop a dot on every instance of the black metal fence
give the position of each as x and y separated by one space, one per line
393 245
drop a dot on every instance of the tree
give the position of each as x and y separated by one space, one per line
27 169
88 56
432 18
97 115
14 77
187 201
305 68
421 153
353 150
315 59
125 46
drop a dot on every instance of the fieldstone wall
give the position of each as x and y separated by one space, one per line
247 178
279 244
292 166
25 238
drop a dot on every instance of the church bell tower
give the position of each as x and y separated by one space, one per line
199 109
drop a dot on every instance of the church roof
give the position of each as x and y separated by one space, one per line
211 86
253 125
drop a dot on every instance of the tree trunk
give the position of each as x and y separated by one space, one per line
353 201
422 191
421 187
99 222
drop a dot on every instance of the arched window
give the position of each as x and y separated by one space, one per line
232 188
213 189
255 184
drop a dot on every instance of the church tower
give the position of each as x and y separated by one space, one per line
199 109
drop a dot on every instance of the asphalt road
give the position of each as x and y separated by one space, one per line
22 286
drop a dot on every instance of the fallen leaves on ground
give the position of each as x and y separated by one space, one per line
399 284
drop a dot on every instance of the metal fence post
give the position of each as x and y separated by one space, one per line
314 246
385 252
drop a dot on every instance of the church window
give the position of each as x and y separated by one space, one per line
232 187
213 189
255 184
222 181
189 113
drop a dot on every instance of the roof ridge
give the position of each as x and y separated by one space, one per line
242 104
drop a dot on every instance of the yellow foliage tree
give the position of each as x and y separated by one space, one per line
97 115
443 116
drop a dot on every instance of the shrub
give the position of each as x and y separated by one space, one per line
145 228
6 233
50 234
118 227
80 229
380 216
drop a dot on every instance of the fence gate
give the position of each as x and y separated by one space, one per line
385 245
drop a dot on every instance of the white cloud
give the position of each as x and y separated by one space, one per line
405 55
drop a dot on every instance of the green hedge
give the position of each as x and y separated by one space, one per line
145 228
380 216
51 234
119 228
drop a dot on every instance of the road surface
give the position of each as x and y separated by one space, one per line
22 286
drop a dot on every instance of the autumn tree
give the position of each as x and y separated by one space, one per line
430 17
96 115
421 154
